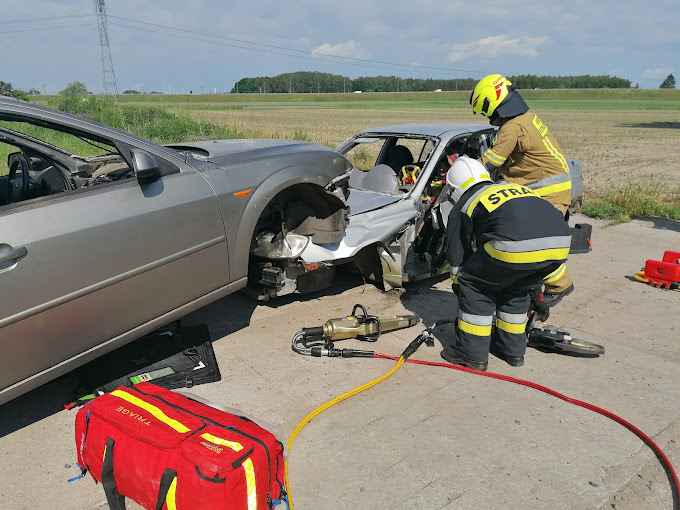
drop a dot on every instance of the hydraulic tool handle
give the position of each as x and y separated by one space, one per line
318 352
424 338
352 327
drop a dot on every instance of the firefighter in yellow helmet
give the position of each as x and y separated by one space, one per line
525 152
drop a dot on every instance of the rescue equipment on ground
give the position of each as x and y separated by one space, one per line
581 235
427 337
664 273
318 341
166 451
552 339
174 356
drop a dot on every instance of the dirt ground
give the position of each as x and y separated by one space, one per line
612 145
426 438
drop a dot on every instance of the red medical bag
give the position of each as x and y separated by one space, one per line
166 451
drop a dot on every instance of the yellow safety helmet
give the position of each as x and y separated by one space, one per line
489 92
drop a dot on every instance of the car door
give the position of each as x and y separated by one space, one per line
80 268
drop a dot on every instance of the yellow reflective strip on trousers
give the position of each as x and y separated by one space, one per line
237 447
156 412
250 483
473 329
527 257
515 329
556 274
170 496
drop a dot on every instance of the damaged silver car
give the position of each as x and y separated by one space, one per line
105 236
398 207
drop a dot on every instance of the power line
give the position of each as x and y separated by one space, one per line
51 18
260 50
45 28
409 66
259 47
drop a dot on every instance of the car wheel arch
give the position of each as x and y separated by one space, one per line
261 200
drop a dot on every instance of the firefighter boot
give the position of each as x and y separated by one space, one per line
455 358
552 298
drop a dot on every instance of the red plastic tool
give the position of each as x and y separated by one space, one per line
665 272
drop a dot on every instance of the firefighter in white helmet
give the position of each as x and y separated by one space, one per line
525 152
501 240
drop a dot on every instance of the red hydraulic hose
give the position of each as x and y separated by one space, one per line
675 484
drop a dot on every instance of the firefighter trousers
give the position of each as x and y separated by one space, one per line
555 284
489 287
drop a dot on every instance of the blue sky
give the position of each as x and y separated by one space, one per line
207 45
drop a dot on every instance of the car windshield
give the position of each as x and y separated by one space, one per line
388 163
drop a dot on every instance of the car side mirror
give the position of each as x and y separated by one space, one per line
145 166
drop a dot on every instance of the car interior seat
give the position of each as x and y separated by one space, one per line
380 178
399 156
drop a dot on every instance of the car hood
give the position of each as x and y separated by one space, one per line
236 151
361 201
374 218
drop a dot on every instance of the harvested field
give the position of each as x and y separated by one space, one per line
610 143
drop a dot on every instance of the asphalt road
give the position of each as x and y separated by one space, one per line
426 438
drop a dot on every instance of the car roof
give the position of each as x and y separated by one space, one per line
427 128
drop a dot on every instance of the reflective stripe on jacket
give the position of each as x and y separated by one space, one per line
511 223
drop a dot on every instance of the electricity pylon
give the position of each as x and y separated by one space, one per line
108 76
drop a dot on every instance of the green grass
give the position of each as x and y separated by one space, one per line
649 197
155 123
626 99
161 125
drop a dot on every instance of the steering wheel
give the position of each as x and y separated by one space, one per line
23 191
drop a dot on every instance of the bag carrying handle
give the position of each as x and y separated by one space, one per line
114 498
116 501
166 492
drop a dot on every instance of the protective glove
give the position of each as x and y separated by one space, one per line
538 305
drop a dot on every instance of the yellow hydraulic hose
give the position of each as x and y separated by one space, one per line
640 277
325 406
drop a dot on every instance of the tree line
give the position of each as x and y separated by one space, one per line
316 82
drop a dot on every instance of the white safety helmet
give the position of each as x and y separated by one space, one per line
464 173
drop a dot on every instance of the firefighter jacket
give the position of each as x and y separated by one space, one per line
526 153
511 223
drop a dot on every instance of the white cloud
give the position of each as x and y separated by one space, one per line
351 49
655 74
497 46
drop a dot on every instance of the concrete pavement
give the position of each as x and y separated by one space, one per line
427 438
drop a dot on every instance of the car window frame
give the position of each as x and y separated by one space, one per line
47 150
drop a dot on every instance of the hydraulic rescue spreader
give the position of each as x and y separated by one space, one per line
318 341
